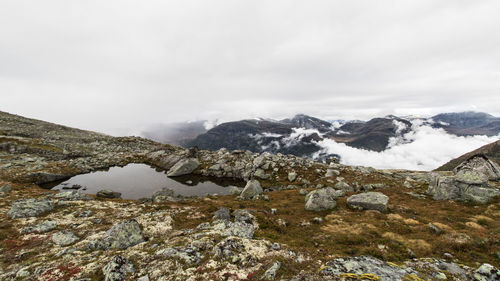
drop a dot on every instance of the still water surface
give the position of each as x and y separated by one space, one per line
136 181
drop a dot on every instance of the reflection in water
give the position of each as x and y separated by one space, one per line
136 181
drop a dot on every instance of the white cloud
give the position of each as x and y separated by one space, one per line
429 148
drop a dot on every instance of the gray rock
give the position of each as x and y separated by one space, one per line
222 214
120 236
434 229
471 177
106 193
71 195
321 199
261 174
276 246
478 194
486 272
43 227
117 269
30 207
184 167
5 188
302 192
292 176
64 238
251 189
243 215
344 186
239 229
270 274
189 254
234 190
143 278
480 164
366 264
443 187
448 188
369 201
331 173
165 194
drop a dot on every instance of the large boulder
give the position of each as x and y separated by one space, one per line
467 186
184 167
443 187
251 189
30 207
480 164
322 199
120 236
369 201
117 269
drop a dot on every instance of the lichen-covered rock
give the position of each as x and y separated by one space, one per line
270 274
443 187
486 272
64 238
222 214
234 190
251 189
117 269
106 193
366 265
71 195
450 188
322 199
120 236
184 167
30 207
292 176
471 177
165 194
369 201
261 174
189 254
480 164
344 186
42 227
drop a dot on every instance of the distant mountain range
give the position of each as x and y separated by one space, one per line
299 135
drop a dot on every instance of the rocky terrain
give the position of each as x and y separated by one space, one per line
295 219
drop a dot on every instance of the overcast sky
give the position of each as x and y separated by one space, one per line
111 65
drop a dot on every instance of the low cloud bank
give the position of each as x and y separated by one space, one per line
424 148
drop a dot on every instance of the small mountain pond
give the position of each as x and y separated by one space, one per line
136 181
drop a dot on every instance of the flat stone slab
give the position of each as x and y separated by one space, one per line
369 201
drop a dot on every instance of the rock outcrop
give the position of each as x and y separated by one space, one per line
470 182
